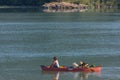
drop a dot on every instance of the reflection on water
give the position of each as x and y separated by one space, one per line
76 75
54 74
65 10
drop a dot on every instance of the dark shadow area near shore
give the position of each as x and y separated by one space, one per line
22 9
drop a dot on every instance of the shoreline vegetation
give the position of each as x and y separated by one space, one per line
62 5
72 7
79 5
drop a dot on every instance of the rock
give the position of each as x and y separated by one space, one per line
64 5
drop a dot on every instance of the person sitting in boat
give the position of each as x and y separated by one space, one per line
75 65
83 64
92 65
55 63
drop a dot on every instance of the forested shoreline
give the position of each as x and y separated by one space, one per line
96 3
23 2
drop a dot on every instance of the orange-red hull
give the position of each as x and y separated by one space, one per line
91 69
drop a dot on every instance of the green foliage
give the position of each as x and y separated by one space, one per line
23 2
40 2
94 3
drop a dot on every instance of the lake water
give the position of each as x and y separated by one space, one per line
30 38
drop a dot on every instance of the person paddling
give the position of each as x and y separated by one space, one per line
55 63
83 64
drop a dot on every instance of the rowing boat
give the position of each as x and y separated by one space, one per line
65 68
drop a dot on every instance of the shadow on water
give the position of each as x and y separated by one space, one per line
20 9
75 75
24 9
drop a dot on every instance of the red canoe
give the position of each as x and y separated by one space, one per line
63 68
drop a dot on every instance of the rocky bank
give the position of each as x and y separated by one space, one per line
64 5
